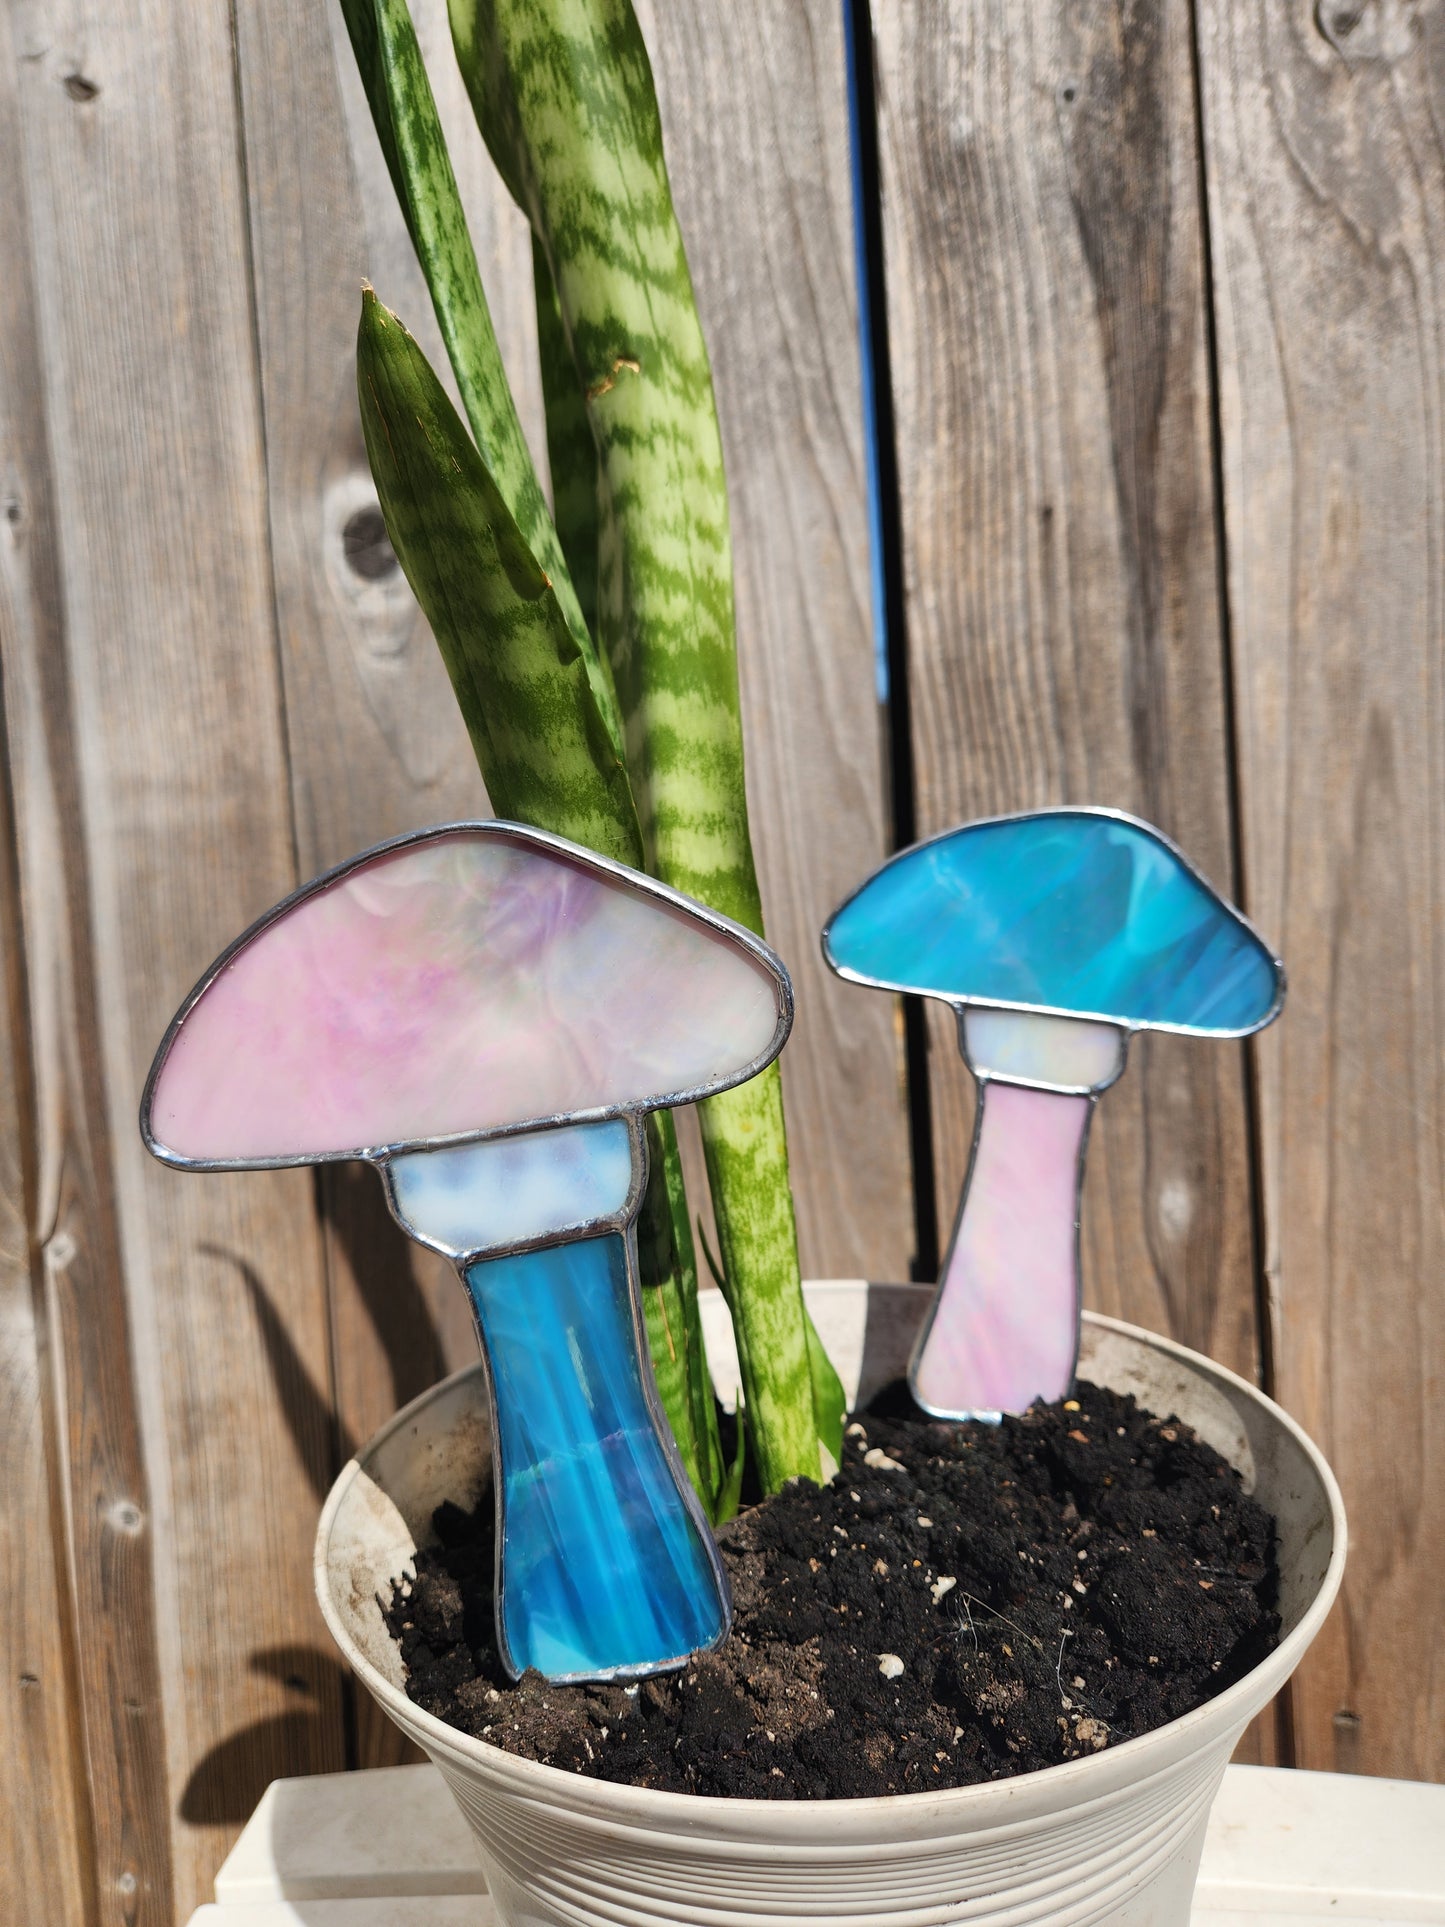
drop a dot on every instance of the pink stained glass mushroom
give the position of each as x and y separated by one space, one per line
485 1013
479 979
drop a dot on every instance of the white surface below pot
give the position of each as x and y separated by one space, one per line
1114 1838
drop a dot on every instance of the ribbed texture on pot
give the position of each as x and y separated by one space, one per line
1082 1864
1108 1841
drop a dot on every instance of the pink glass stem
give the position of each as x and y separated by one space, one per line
1005 1324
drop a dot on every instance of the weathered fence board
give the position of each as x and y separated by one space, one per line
177 828
46 1871
1051 390
66 1206
46 1864
1327 192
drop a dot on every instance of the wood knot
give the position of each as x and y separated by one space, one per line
1367 30
366 545
126 1517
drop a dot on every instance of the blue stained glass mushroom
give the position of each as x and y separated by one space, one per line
486 1013
1053 935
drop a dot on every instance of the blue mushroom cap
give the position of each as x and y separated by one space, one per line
1076 911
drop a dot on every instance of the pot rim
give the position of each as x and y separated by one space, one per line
1071 1782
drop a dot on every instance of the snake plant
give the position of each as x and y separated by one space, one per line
592 648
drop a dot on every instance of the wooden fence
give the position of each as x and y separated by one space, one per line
1165 307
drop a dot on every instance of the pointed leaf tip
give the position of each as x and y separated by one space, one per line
518 673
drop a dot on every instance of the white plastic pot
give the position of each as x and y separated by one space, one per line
1114 1838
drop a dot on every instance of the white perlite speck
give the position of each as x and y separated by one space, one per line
940 1586
880 1461
889 1665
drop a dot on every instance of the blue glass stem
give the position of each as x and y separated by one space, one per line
605 1565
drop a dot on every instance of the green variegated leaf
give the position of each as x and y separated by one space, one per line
519 677
563 93
668 1268
544 753
570 447
409 128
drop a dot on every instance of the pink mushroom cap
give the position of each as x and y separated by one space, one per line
469 981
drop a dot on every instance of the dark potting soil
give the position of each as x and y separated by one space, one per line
961 1603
